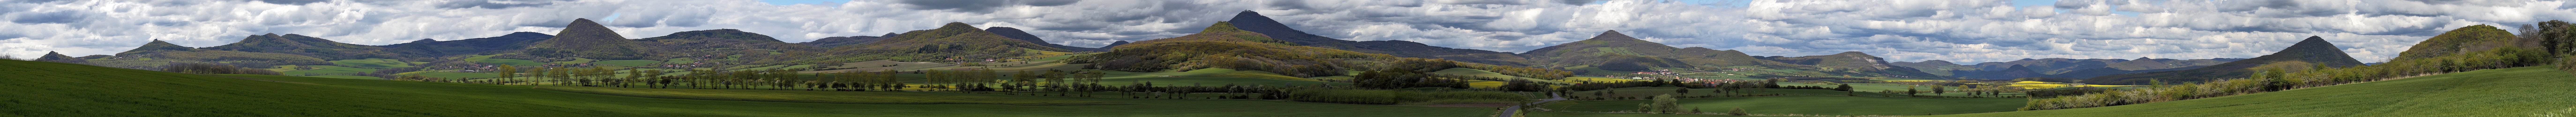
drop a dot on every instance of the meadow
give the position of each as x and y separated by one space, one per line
1816 105
60 89
2493 92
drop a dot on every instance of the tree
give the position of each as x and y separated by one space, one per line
1937 89
1847 89
508 71
1666 104
1739 111
1681 90
1909 90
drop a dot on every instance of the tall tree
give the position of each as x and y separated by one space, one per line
506 71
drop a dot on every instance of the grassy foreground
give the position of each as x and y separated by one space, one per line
61 89
1816 105
2484 93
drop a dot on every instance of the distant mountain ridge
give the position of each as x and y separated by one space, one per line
2056 67
487 45
2311 52
1255 22
842 41
1015 33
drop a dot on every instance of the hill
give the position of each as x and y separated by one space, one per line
828 42
1222 45
2311 52
1256 23
1855 62
1015 33
2055 67
488 45
2493 92
2466 39
734 34
60 89
1114 44
304 45
587 39
722 42
954 42
154 47
51 56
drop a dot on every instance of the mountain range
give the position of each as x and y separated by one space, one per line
1608 53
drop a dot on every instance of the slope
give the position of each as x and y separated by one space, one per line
828 42
587 39
1221 45
2312 52
59 89
486 45
155 46
1255 22
1024 36
304 45
2465 39
2493 92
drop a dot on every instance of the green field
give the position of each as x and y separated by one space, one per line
2482 93
1652 91
330 70
60 89
680 61
1872 87
628 63
512 62
454 75
1484 73
1206 77
374 63
843 97
1817 105
1580 114
575 60
347 77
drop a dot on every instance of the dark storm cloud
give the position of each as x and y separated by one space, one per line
55 17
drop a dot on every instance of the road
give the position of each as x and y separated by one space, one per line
1507 112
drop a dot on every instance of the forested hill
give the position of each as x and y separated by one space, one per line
2308 53
2467 39
586 39
1255 22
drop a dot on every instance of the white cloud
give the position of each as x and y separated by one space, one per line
1902 30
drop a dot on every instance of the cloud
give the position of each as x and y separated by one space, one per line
1901 30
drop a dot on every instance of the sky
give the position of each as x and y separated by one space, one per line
1963 31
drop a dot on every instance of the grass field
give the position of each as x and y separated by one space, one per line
843 97
1577 114
329 70
1817 105
512 62
372 63
347 77
1872 87
60 89
1652 91
576 60
455 75
1484 73
2483 93
629 63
